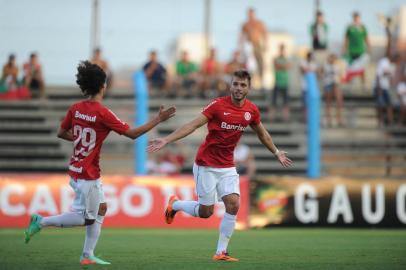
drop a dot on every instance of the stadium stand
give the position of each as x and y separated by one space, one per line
28 141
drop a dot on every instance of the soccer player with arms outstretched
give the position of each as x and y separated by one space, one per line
214 170
87 124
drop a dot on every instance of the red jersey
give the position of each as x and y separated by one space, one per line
90 123
226 124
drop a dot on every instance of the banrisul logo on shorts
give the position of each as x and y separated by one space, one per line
247 116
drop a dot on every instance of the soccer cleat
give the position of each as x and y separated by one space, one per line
85 260
224 256
33 228
169 212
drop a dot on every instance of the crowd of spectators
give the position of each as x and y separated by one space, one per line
333 70
30 84
211 77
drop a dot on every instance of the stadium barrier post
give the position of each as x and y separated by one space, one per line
140 118
313 126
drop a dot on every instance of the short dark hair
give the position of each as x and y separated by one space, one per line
90 78
11 57
243 74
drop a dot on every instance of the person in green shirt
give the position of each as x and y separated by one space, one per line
356 38
281 66
356 41
186 76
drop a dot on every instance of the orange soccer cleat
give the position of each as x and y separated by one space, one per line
224 256
169 212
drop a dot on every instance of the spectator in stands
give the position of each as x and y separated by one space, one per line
186 75
254 34
33 77
356 47
385 73
306 66
236 63
10 74
401 89
319 32
156 73
244 161
211 75
159 165
101 62
331 78
168 162
281 66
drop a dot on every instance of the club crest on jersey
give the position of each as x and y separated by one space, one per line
247 116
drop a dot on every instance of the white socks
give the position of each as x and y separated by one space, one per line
68 219
226 231
190 207
227 224
92 235
71 219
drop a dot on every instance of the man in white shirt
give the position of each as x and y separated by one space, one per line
385 72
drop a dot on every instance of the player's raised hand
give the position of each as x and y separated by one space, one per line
165 114
283 159
156 145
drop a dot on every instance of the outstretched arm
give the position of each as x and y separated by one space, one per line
266 140
183 131
162 116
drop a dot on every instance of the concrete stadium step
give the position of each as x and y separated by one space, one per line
70 93
356 146
25 129
34 105
31 141
293 155
364 163
27 156
6 118
117 163
370 172
29 144
50 165
23 151
361 153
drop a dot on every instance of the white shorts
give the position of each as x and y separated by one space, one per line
213 184
88 196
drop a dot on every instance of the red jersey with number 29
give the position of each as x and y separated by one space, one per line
90 122
226 124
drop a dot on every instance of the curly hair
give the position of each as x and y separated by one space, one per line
243 74
90 78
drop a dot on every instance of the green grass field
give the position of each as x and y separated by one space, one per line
192 249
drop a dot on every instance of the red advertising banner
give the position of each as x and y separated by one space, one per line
132 201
